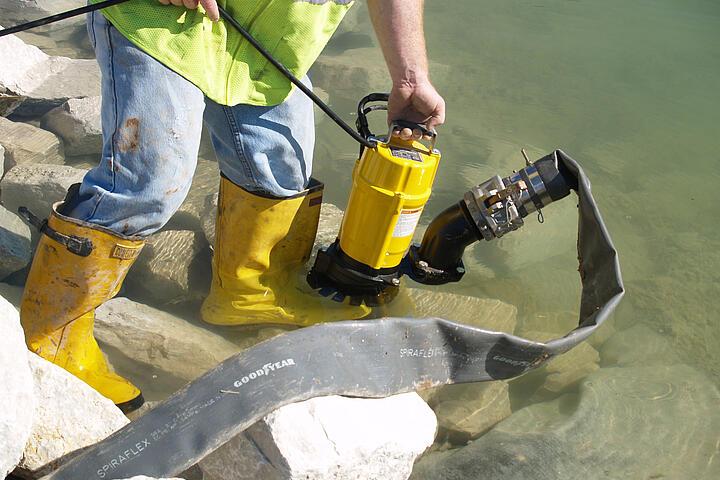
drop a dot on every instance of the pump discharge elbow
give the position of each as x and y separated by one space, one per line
488 211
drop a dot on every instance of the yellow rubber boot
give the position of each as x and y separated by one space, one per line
62 291
261 245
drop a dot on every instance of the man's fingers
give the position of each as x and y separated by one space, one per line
210 6
211 9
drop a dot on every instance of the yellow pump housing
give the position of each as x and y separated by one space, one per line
391 184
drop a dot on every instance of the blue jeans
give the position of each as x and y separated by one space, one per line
152 121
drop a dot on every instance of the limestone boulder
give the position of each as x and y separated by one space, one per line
45 82
69 415
15 247
634 422
26 144
37 187
160 339
330 438
77 122
16 416
164 272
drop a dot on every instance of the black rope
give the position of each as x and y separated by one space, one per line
108 3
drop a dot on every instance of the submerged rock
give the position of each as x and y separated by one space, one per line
78 123
16 416
15 249
467 411
330 438
563 371
69 415
163 272
622 423
159 339
37 187
353 71
28 145
44 81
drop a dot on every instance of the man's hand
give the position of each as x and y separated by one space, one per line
419 103
210 6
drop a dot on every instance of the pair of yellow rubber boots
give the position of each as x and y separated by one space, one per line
261 245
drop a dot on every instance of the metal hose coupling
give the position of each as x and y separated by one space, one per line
489 210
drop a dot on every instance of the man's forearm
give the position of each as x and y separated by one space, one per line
399 28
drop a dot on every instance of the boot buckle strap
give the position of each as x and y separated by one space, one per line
77 245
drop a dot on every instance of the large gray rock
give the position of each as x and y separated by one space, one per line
78 123
26 144
330 438
641 422
46 82
16 416
69 415
159 339
163 272
2 160
15 248
37 187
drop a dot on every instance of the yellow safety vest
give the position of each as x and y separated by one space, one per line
216 58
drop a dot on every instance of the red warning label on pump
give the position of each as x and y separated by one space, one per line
407 221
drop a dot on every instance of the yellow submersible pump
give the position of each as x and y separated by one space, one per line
391 183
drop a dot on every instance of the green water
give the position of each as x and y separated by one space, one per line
631 90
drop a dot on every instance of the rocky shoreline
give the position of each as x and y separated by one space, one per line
49 125
562 421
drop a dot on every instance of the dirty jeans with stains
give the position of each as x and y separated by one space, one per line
152 120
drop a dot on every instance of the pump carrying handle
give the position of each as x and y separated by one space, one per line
380 103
